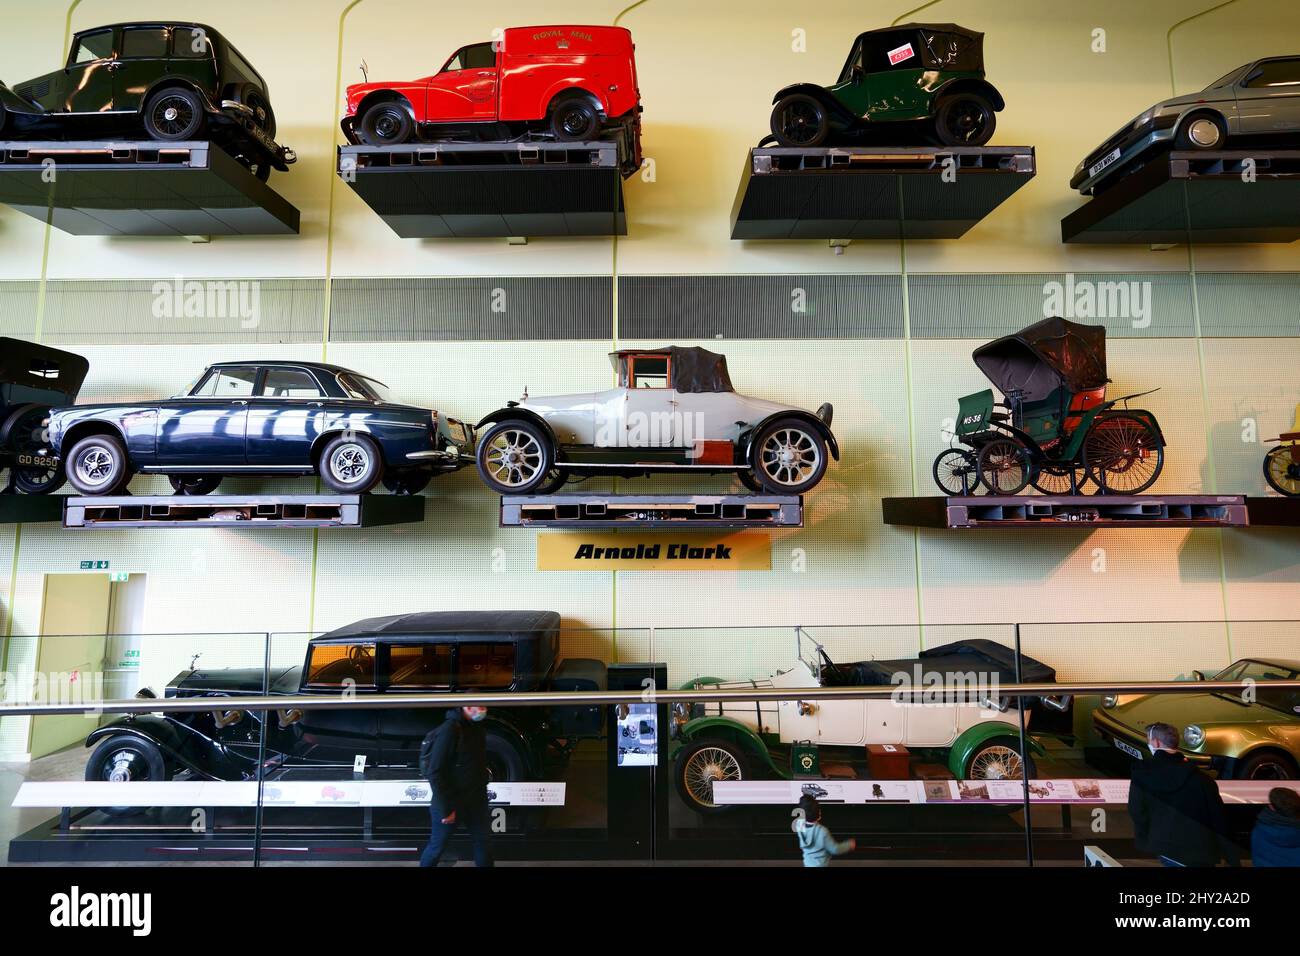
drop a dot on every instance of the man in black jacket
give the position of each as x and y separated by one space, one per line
1176 809
455 757
1275 841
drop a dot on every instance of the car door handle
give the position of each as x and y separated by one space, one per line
316 404
113 66
239 402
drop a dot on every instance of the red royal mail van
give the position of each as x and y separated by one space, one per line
568 83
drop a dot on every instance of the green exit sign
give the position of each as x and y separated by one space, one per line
120 577
94 565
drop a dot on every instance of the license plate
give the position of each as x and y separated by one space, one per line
1129 749
1101 164
38 461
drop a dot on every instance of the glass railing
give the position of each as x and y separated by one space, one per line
906 738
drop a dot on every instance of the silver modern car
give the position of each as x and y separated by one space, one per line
1256 104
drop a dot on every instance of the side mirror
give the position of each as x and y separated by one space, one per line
1198 675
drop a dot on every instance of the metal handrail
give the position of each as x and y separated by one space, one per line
708 694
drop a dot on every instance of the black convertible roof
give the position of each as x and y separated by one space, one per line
42 368
693 369
450 625
985 657
1048 354
966 53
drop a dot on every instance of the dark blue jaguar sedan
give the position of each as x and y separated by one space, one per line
261 419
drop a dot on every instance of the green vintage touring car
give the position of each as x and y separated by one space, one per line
913 84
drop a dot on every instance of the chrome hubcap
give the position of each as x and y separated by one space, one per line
349 463
1204 132
120 769
95 466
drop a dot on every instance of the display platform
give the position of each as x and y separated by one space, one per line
448 190
244 511
188 188
652 511
1273 512
30 509
874 193
1213 196
1058 511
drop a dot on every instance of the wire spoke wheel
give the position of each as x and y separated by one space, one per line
514 457
1056 479
956 472
1282 470
704 768
997 762
173 115
1004 466
1123 454
790 456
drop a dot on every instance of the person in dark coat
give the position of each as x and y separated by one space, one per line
455 755
1275 841
1176 809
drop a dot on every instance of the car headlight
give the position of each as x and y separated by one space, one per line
1193 736
1109 701
1144 118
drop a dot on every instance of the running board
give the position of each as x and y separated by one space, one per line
651 511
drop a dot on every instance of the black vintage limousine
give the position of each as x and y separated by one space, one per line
423 653
261 419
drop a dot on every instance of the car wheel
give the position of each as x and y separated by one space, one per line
504 762
965 119
1055 479
556 480
174 114
701 764
574 119
1268 765
351 464
1003 466
194 484
799 120
407 482
1201 131
1282 470
27 437
515 457
788 457
1123 454
955 472
386 124
126 759
98 465
998 759
750 482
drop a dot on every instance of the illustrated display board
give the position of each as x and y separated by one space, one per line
638 737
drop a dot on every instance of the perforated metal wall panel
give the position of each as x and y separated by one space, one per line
18 304
471 309
760 307
1248 304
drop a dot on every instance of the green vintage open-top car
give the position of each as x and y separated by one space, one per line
1239 739
1056 430
913 84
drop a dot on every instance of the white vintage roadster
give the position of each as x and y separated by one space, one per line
673 410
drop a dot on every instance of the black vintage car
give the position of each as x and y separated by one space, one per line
173 81
33 378
433 652
261 419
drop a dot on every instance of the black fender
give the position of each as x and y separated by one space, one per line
167 735
13 103
382 96
522 414
966 84
745 444
10 420
1139 413
836 111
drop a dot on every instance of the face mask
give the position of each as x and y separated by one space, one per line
476 715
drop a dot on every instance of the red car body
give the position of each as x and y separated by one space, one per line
510 89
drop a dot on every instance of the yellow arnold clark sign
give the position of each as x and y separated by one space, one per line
621 551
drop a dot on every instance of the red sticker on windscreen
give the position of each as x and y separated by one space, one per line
899 54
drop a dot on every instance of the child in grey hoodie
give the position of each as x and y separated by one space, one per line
815 841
